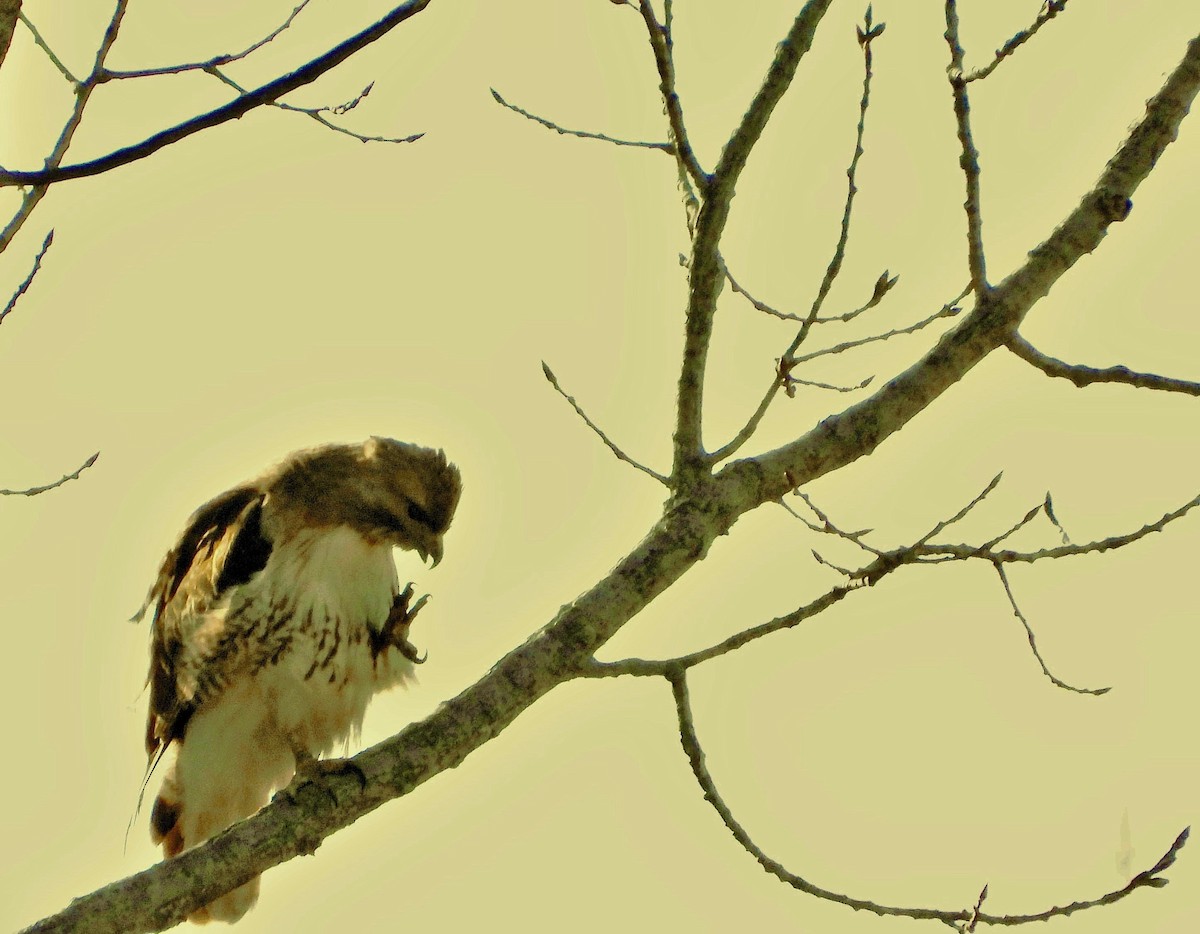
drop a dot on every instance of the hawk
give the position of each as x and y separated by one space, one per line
277 615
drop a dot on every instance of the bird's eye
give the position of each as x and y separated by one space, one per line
417 514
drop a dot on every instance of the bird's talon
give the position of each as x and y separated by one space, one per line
399 620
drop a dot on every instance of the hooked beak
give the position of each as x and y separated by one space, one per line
434 551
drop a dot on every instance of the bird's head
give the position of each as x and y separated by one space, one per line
388 491
408 495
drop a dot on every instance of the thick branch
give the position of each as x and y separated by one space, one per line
266 94
706 269
1085 375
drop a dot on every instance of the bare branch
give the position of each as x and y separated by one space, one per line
760 306
839 252
706 269
1049 10
783 378
35 490
621 455
969 160
266 94
968 926
857 431
83 94
318 113
1096 692
641 667
949 310
1062 551
1151 878
28 280
217 60
45 47
962 513
662 44
1085 375
582 134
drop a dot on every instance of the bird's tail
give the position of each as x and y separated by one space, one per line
223 771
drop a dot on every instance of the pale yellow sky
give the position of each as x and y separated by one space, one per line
269 285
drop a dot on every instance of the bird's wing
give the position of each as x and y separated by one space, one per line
222 546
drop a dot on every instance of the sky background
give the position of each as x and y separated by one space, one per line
269 285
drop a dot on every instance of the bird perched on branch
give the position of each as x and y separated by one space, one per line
277 615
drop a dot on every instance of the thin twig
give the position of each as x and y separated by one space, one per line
35 490
1062 551
21 289
883 285
706 271
663 46
215 61
83 94
621 455
968 926
1085 375
783 376
962 513
1095 692
969 160
582 134
948 310
269 92
839 252
45 47
318 113
677 677
1049 10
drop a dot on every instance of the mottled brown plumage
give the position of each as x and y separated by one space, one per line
277 615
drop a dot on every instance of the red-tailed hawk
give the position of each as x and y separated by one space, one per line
277 615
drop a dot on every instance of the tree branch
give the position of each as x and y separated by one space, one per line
109 74
662 44
1151 878
1095 692
28 280
860 429
582 134
1085 375
44 46
706 268
1049 10
35 490
266 94
969 160
83 94
166 893
318 113
621 455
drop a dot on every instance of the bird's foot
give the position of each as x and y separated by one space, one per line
311 770
395 628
